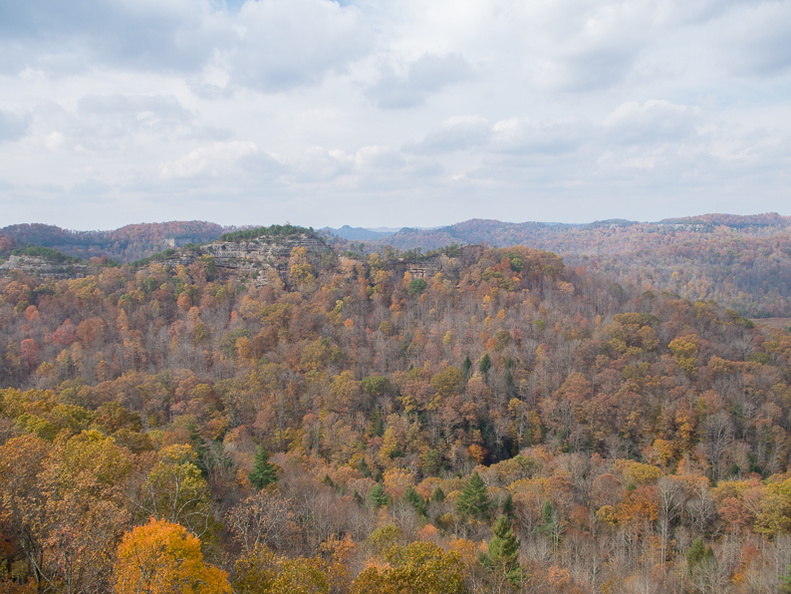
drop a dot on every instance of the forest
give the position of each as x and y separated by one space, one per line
344 421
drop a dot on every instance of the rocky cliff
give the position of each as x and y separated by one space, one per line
39 266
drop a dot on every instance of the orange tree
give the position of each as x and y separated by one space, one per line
164 557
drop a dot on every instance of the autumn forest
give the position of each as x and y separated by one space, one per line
278 411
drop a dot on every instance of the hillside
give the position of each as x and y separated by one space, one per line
475 420
126 244
743 262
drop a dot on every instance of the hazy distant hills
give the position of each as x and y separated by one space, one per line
743 262
361 233
126 244
598 237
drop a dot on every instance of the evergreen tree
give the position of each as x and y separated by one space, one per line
485 364
264 472
377 496
503 552
474 500
416 501
508 506
466 367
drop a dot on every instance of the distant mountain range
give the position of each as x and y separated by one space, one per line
741 261
126 244
361 233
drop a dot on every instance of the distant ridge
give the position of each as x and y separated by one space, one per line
130 242
360 233
769 219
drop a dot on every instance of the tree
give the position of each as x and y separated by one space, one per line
418 567
264 472
164 557
260 571
485 364
378 496
502 556
416 501
175 490
474 500
503 552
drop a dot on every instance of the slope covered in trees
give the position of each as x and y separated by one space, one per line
126 244
505 423
741 261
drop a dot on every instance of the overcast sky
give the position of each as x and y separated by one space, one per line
392 112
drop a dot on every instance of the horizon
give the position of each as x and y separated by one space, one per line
381 227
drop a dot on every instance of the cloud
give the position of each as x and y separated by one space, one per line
213 160
118 115
528 136
13 126
418 79
284 44
454 134
756 40
318 164
162 36
652 121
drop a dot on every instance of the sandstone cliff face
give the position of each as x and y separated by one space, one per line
263 252
250 258
39 266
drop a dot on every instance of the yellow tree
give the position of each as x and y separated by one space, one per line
418 567
164 557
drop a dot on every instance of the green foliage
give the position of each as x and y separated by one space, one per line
264 472
416 501
466 367
376 385
377 496
485 364
271 231
503 551
416 287
474 501
48 254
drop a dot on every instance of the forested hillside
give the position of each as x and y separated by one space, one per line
493 420
741 261
126 244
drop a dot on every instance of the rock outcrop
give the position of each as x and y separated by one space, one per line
39 266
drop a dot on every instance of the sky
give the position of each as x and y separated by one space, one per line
392 112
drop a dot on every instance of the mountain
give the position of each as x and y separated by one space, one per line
126 244
743 262
361 233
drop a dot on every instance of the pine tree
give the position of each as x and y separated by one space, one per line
474 500
378 496
508 506
264 472
466 367
504 547
416 501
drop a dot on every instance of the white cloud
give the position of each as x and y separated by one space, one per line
456 133
12 125
282 44
213 160
652 121
756 40
411 84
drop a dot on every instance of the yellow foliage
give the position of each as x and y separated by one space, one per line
163 557
637 473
